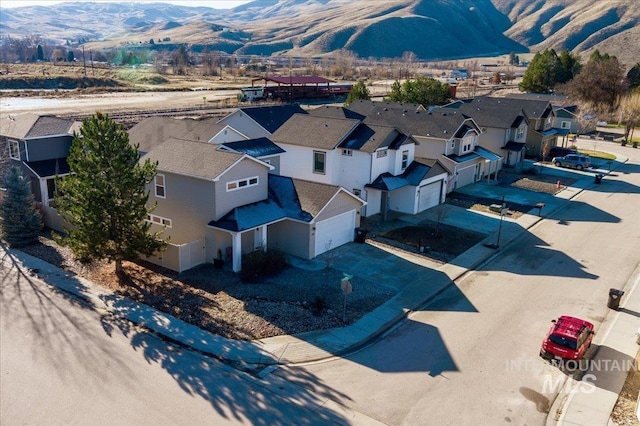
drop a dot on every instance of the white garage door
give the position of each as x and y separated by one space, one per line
334 232
429 196
465 176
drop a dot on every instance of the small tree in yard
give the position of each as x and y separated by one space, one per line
104 198
21 221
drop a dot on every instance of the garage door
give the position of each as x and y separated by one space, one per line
429 196
465 176
334 232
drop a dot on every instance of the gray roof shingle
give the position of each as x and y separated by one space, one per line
197 159
24 126
315 132
153 131
272 117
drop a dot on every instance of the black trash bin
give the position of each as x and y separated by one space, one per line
614 298
598 178
361 235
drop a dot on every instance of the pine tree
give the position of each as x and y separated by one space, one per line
22 222
104 198
358 91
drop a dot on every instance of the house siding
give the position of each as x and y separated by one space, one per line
430 147
297 162
342 203
48 148
493 139
354 171
225 201
189 203
290 237
275 162
240 121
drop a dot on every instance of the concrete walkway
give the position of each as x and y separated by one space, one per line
574 408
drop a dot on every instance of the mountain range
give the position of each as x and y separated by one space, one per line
431 29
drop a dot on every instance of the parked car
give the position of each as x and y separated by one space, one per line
557 151
568 339
575 161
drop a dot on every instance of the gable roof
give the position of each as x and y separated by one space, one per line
436 124
367 107
153 131
204 129
490 112
196 159
369 138
23 126
272 117
259 147
336 112
417 171
315 132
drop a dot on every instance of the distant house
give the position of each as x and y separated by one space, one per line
446 136
39 146
460 74
503 126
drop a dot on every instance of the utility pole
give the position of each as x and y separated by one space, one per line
290 87
84 61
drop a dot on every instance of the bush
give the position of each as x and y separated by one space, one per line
261 264
318 305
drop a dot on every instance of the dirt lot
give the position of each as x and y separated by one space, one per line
624 411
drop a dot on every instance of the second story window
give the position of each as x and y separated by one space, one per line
159 184
347 152
319 162
565 125
405 159
242 183
14 150
520 133
381 153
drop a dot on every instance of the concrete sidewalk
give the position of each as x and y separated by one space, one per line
313 346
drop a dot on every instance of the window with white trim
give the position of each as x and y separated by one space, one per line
565 125
159 220
319 162
381 153
160 188
356 192
520 133
242 183
14 150
405 159
347 152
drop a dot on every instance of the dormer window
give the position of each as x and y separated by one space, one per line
405 159
520 133
14 150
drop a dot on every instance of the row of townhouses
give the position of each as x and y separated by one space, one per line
280 177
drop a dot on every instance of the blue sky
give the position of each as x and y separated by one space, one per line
217 4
